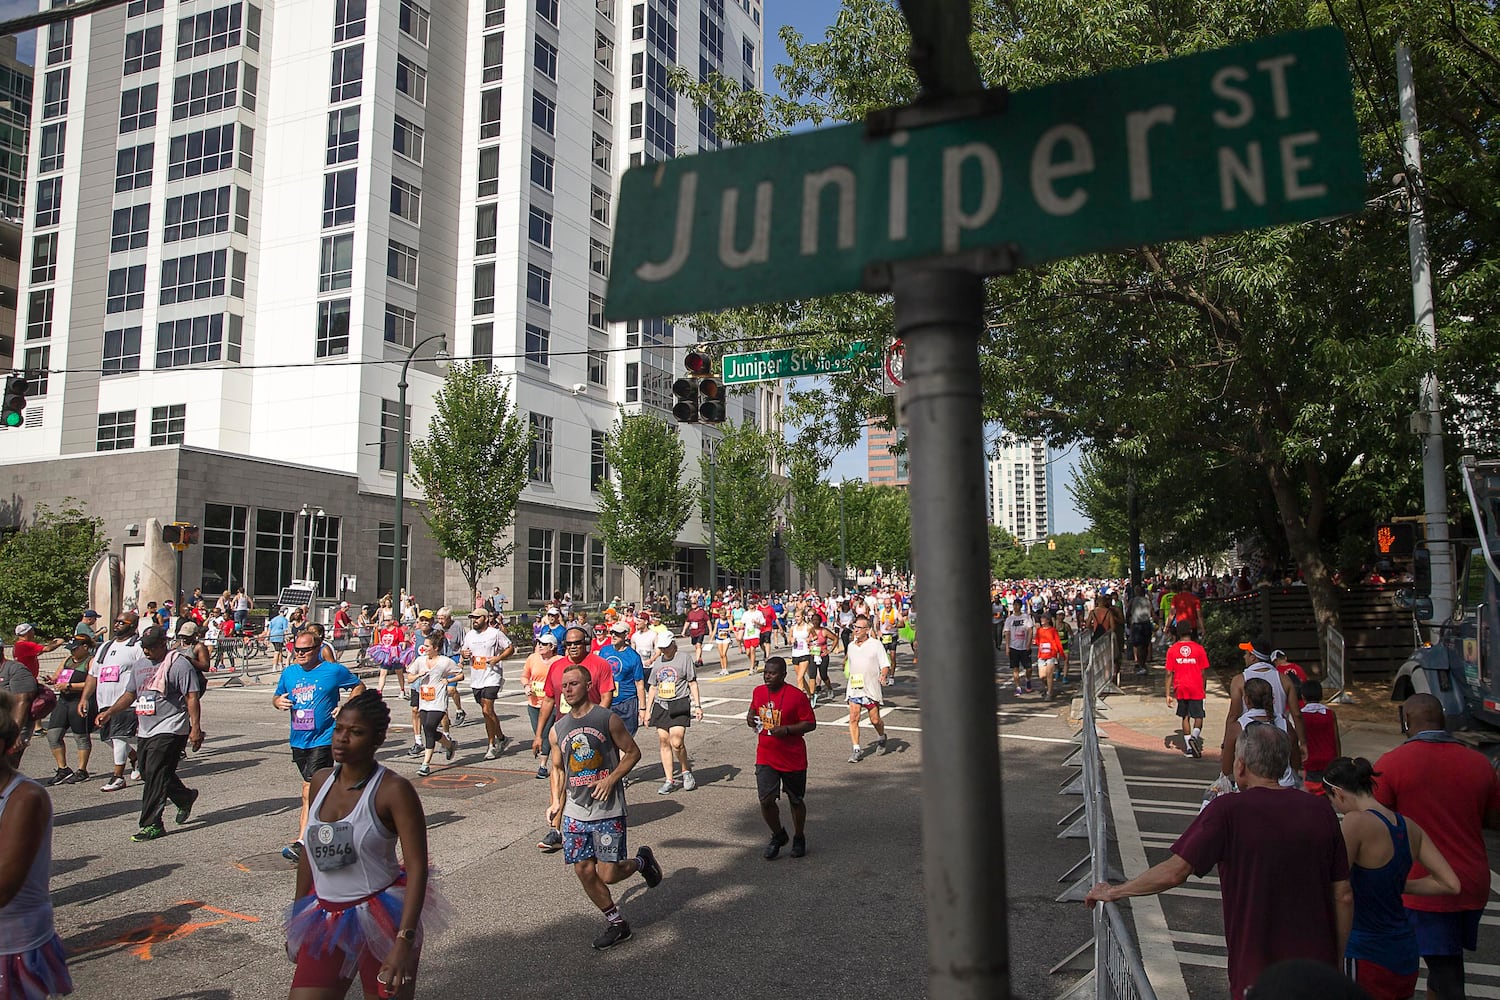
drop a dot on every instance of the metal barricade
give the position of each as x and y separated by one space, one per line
1116 972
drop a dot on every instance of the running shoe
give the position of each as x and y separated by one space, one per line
880 744
450 749
183 812
59 776
112 785
778 841
77 777
146 833
415 750
461 718
135 774
492 752
541 772
1195 743
667 787
799 846
688 781
1020 690
613 935
293 851
552 841
424 770
854 757
814 699
650 869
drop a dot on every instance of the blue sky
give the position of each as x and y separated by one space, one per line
812 18
26 43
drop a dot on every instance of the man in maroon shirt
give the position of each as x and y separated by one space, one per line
1453 792
1283 869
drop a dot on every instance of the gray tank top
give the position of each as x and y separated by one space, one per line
588 757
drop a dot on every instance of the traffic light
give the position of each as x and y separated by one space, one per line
698 395
180 533
711 408
685 392
15 401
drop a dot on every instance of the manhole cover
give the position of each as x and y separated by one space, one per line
465 783
272 862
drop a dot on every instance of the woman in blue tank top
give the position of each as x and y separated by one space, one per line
1381 955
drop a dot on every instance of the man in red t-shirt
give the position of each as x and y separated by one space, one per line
782 715
1320 727
1186 662
1452 792
601 689
1185 608
1283 868
27 651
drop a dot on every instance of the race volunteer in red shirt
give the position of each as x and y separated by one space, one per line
782 716
26 650
576 644
1186 662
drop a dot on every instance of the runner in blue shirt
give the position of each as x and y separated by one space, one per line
309 690
276 631
630 676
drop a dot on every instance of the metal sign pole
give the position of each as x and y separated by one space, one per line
939 316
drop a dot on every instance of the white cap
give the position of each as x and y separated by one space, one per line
24 628
665 639
546 639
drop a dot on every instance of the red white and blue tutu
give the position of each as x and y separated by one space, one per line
36 974
368 924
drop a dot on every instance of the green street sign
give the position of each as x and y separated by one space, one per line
767 366
1255 135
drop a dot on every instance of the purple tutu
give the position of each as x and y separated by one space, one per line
351 928
36 974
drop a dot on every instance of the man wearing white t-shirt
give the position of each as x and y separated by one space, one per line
753 624
483 650
866 669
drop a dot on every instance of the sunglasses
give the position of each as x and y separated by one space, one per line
304 649
576 642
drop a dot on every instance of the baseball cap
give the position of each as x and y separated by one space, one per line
188 629
25 628
425 614
154 636
91 613
479 613
665 639
73 644
552 610
620 628
546 639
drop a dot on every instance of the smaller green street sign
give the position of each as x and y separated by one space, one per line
767 366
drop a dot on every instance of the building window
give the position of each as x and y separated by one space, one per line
247 148
333 328
54 137
59 42
385 553
348 19
143 50
238 260
347 78
544 113
542 167
494 57
196 276
48 202
539 564
400 326
485 223
484 289
133 167
408 139
168 424
39 313
596 555
138 108
489 113
539 285
406 201
603 153
494 13
539 460
131 228
604 50
38 366
116 431
544 57
632 382
192 341
598 368
489 171
44 258
320 552
389 430
127 289
411 79
205 91
748 52
637 120
210 31
606 9
598 464
343 135
596 311
570 562
55 93
199 213
484 345
401 263
336 262
223 540
547 11
638 71
599 257
122 351
538 344
252 81
338 197
539 228
242 211
199 153
415 20
604 101
599 204
275 546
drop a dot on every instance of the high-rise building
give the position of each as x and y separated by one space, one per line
1018 490
249 214
15 127
886 460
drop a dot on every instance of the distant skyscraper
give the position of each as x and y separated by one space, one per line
883 466
1017 489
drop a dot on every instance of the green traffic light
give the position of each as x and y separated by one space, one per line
12 419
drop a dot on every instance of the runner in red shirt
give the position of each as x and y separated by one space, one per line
1298 675
1185 608
1186 662
782 716
1321 728
1049 652
576 642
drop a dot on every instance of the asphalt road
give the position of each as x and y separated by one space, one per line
197 914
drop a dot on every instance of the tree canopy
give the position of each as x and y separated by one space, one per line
746 495
643 498
44 568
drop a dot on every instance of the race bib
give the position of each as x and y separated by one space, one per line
856 683
1044 649
769 717
145 704
303 720
110 673
428 692
539 688
332 845
64 677
667 690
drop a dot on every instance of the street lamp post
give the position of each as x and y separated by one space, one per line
843 552
713 546
401 386
311 515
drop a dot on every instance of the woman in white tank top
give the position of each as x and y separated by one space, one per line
33 964
358 910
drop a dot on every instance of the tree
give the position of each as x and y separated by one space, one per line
644 500
1287 354
812 534
746 495
44 568
472 467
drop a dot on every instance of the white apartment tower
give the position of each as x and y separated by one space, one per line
248 214
1018 489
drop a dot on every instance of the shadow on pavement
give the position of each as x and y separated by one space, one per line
65 866
265 807
437 819
96 889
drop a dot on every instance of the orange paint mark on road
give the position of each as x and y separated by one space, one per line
163 931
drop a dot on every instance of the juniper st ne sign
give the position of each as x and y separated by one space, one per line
1254 135
766 366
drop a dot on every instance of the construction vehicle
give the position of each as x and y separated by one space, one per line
1461 665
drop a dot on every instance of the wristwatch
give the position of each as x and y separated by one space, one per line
409 934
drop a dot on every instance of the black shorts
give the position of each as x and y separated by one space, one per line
486 693
414 695
770 783
1020 659
118 726
311 760
801 658
1190 708
1140 634
697 640
664 720
765 637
